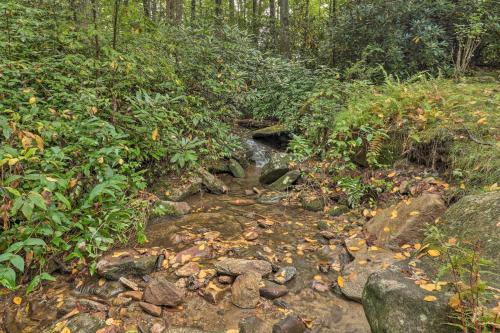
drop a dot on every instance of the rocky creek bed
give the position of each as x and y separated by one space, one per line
244 257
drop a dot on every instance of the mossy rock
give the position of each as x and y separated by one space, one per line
285 181
275 168
275 130
312 202
236 169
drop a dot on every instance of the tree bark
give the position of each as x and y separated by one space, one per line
115 22
193 11
218 12
285 27
231 11
146 4
272 21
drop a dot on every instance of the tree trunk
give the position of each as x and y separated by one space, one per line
285 27
231 11
178 10
254 20
272 22
218 12
193 11
115 22
170 8
333 15
147 8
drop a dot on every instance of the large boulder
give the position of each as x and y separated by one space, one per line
285 181
175 208
393 299
394 303
405 222
275 168
475 219
124 263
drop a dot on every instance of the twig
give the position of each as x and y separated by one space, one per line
475 139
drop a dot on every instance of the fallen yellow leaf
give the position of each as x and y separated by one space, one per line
17 300
454 302
392 174
430 298
394 214
434 253
414 213
66 330
32 100
340 281
387 229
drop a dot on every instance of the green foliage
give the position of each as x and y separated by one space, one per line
464 264
82 120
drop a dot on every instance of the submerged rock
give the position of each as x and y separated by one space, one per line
275 168
252 324
159 291
271 198
271 290
406 221
232 266
80 323
285 274
175 207
245 290
119 264
290 324
236 169
275 130
285 181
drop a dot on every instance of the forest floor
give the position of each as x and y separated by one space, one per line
306 255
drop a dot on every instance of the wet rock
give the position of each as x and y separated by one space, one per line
214 293
80 323
249 192
135 295
393 303
232 266
151 309
128 283
211 235
252 324
236 169
250 235
225 279
285 274
271 198
312 202
109 289
159 291
285 181
183 191
92 305
245 290
275 168
212 183
175 207
188 269
121 301
271 290
405 222
320 286
242 202
290 324
112 267
265 223
197 251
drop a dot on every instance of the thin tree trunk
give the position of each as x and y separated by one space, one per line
115 22
306 26
193 11
218 12
333 18
147 8
96 36
285 27
272 22
178 10
254 20
231 11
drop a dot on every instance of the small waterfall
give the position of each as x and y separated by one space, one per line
260 152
